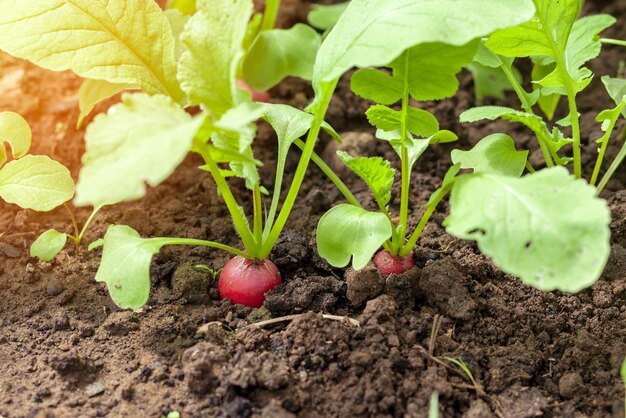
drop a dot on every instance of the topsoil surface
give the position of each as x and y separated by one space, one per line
67 351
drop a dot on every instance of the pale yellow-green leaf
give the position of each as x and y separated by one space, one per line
121 41
177 21
213 37
15 131
141 140
92 92
36 182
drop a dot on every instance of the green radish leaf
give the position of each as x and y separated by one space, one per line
375 172
125 266
378 86
494 154
489 82
583 45
448 182
616 87
178 21
120 41
547 228
443 137
498 112
141 140
348 231
186 7
372 34
279 53
208 69
36 182
92 92
547 102
325 16
430 69
14 130
419 122
48 245
96 244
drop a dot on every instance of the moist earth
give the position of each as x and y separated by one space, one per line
342 344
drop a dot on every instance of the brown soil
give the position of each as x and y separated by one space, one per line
67 351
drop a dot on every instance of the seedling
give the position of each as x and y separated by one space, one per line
29 181
548 228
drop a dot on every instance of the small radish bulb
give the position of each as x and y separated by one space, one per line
388 264
257 96
246 282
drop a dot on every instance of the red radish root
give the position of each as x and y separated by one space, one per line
388 264
246 282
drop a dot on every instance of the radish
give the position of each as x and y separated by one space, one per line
388 264
246 281
257 96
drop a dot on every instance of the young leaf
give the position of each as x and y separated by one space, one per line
494 154
120 41
546 228
125 266
378 86
36 182
616 87
419 122
372 34
92 92
186 7
141 140
279 53
48 245
489 82
348 231
375 172
208 69
547 102
325 16
14 130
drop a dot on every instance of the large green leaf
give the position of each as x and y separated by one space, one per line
125 265
547 228
374 33
325 16
14 130
279 53
375 172
141 140
418 121
36 182
348 231
92 92
494 154
213 37
48 245
121 41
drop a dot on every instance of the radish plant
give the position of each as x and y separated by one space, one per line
549 227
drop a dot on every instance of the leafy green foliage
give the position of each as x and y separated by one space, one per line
278 53
125 266
348 231
489 82
36 182
375 172
547 228
14 130
126 42
495 154
325 16
616 87
48 245
186 7
208 68
141 140
92 92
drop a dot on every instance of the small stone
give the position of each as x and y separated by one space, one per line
55 287
9 250
570 384
95 389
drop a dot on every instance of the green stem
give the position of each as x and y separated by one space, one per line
239 220
201 243
258 215
571 98
270 14
307 152
80 236
334 178
612 169
406 169
430 209
610 41
604 141
528 108
74 224
529 167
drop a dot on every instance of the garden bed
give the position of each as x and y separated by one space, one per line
67 350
